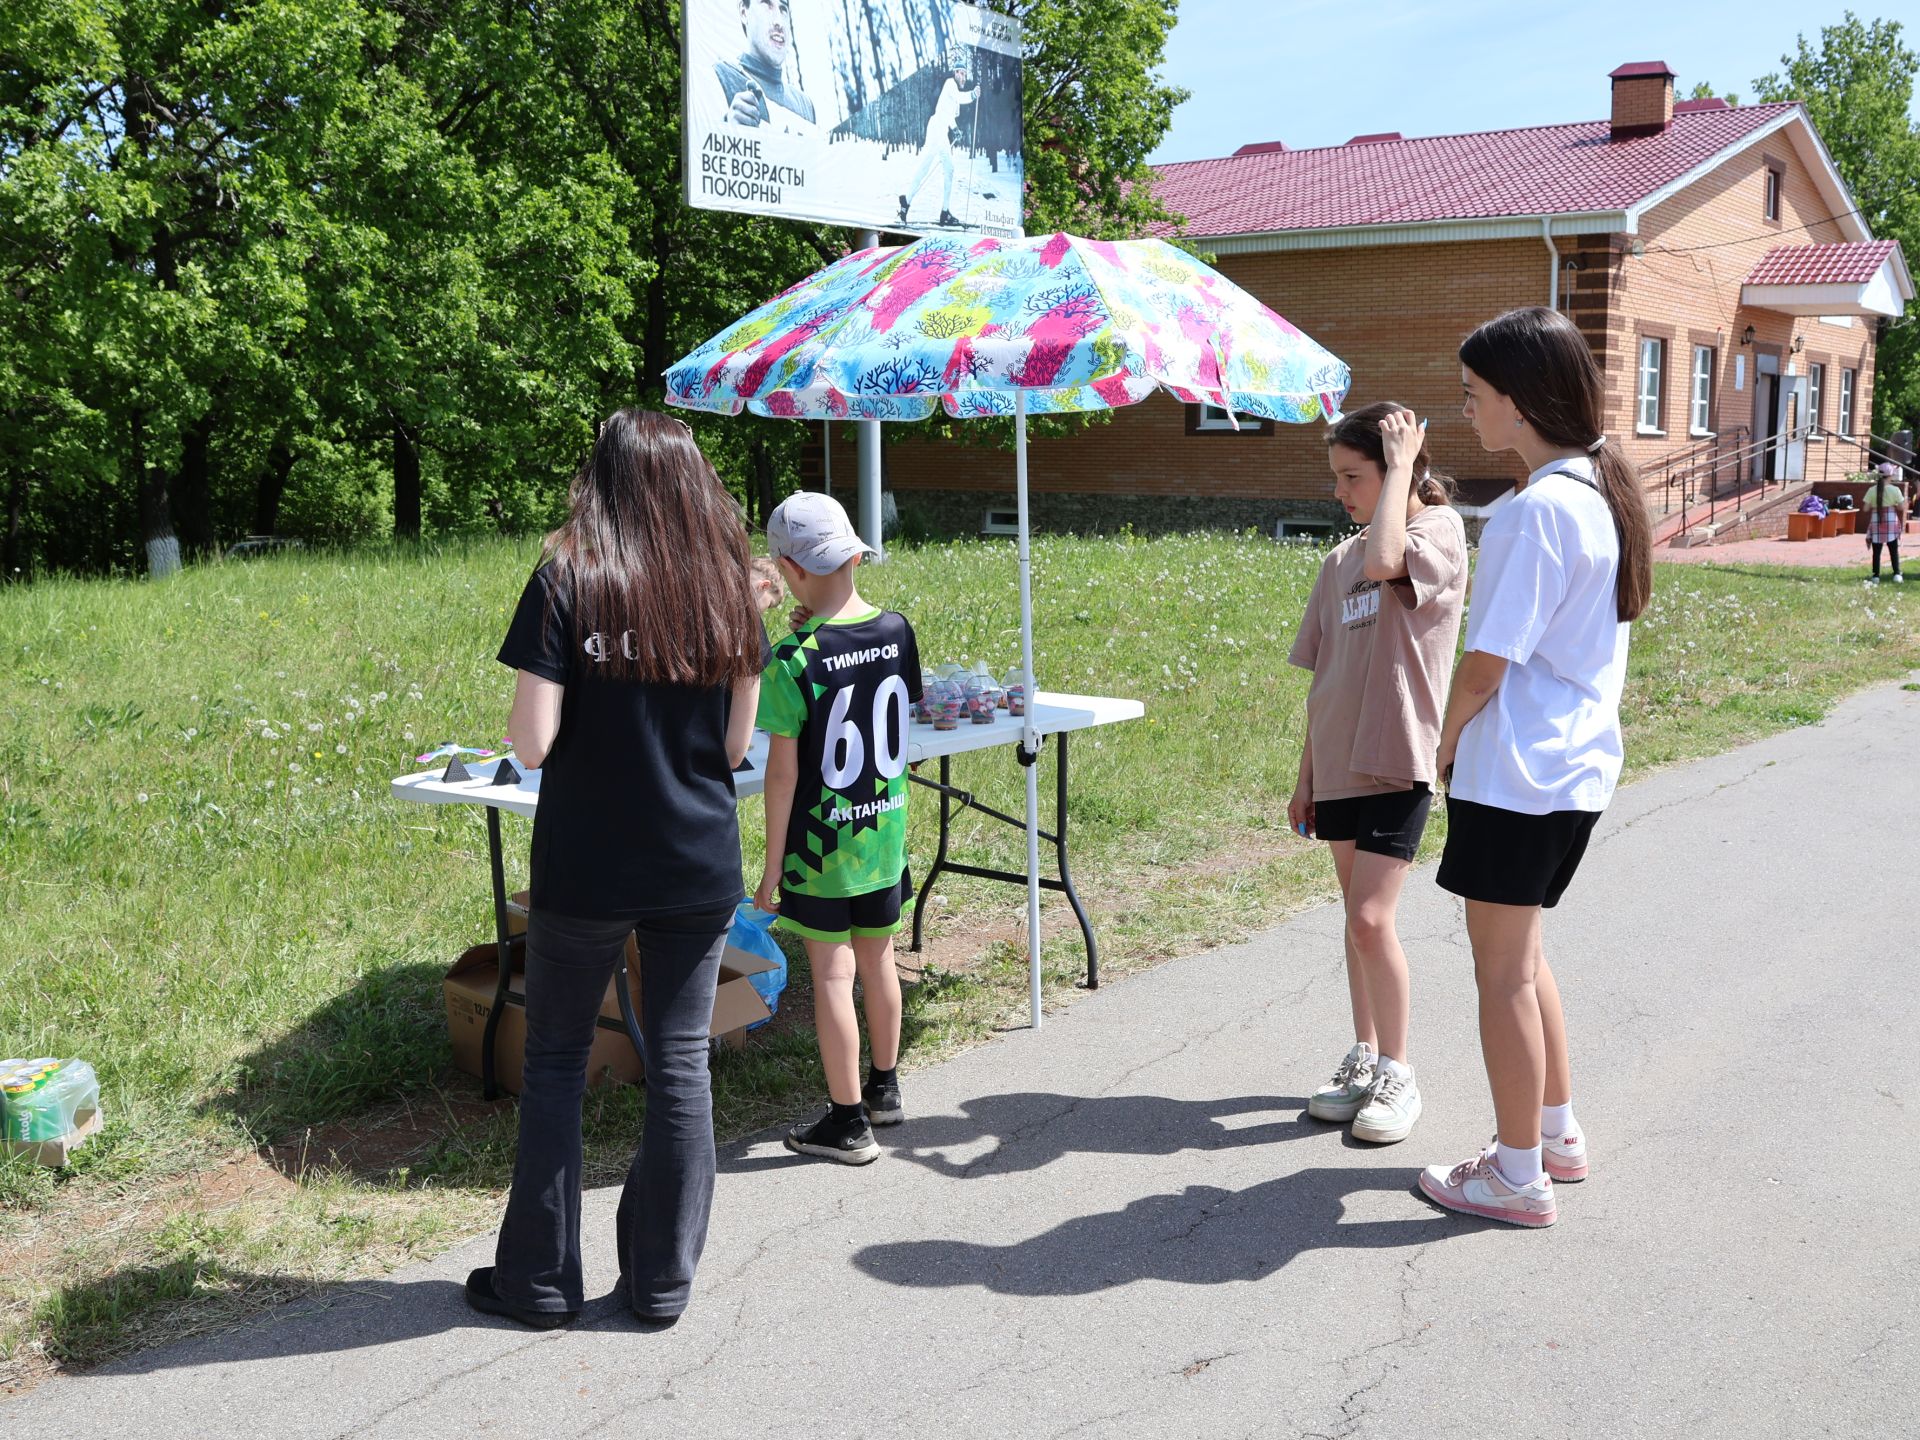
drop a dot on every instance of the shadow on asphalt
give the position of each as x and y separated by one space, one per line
1030 1130
357 1315
1202 1235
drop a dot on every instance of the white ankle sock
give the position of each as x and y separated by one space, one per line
1517 1167
1556 1120
1387 1065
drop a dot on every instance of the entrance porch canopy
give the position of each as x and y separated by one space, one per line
1862 278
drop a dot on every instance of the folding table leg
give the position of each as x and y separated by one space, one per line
1060 858
632 1020
488 1089
939 855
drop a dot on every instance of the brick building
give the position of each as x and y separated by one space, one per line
1711 255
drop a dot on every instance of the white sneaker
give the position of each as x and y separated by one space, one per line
1565 1157
1476 1187
1340 1099
1899 579
1390 1111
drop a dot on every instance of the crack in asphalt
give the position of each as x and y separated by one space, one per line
360 1427
1692 798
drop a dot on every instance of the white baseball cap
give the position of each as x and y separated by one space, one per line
813 531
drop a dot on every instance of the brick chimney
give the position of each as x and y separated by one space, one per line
1642 99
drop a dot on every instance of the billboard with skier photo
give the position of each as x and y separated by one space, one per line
900 115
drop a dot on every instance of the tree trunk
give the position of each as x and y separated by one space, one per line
156 509
653 349
762 478
196 491
273 485
406 483
13 565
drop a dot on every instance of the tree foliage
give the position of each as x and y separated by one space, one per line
1857 85
332 268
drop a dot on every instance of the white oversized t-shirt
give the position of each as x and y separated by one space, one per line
1543 600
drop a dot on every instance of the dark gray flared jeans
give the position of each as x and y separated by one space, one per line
662 1220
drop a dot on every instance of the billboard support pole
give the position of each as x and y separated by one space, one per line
868 518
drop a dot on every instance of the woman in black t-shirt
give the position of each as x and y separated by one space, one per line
639 648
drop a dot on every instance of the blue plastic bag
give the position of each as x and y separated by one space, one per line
753 933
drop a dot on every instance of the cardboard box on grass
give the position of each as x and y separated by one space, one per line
612 1061
55 1153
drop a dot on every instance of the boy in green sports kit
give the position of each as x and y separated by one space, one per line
836 701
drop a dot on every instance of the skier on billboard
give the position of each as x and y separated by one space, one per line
754 86
958 89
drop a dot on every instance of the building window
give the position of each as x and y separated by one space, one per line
1653 363
1214 420
1773 193
1846 401
1816 396
1701 420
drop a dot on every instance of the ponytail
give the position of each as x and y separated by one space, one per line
1619 485
1433 488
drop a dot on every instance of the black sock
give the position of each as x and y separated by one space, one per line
845 1114
877 1076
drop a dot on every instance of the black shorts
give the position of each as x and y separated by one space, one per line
1386 824
838 919
1503 857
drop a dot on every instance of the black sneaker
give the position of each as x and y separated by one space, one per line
850 1142
482 1297
903 209
883 1102
947 217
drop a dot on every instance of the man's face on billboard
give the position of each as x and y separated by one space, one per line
769 29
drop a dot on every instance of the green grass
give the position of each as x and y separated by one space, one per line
211 897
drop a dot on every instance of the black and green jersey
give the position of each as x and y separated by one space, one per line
844 689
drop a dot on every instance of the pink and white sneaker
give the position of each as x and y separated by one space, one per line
1476 1187
1565 1158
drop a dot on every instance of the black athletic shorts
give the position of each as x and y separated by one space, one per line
840 918
1503 857
1387 824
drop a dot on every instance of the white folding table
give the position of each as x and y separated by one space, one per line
1054 715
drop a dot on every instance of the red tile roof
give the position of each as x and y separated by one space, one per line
1849 264
1551 169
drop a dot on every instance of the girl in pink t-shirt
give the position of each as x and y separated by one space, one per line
1379 635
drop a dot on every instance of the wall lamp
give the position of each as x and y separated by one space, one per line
1746 336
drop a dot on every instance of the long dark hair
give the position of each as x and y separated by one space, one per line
655 558
1539 360
1360 430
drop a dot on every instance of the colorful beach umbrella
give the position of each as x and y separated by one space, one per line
982 327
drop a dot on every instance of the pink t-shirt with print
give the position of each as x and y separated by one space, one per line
1381 655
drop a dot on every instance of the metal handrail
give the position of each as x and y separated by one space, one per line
1681 466
1735 462
1869 447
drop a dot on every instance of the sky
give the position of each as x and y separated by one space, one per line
1319 72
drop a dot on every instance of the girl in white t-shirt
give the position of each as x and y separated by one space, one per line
1378 634
1531 744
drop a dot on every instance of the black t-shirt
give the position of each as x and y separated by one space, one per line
636 808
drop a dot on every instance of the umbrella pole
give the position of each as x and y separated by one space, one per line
1029 742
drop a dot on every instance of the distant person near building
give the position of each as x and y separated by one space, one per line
1886 508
